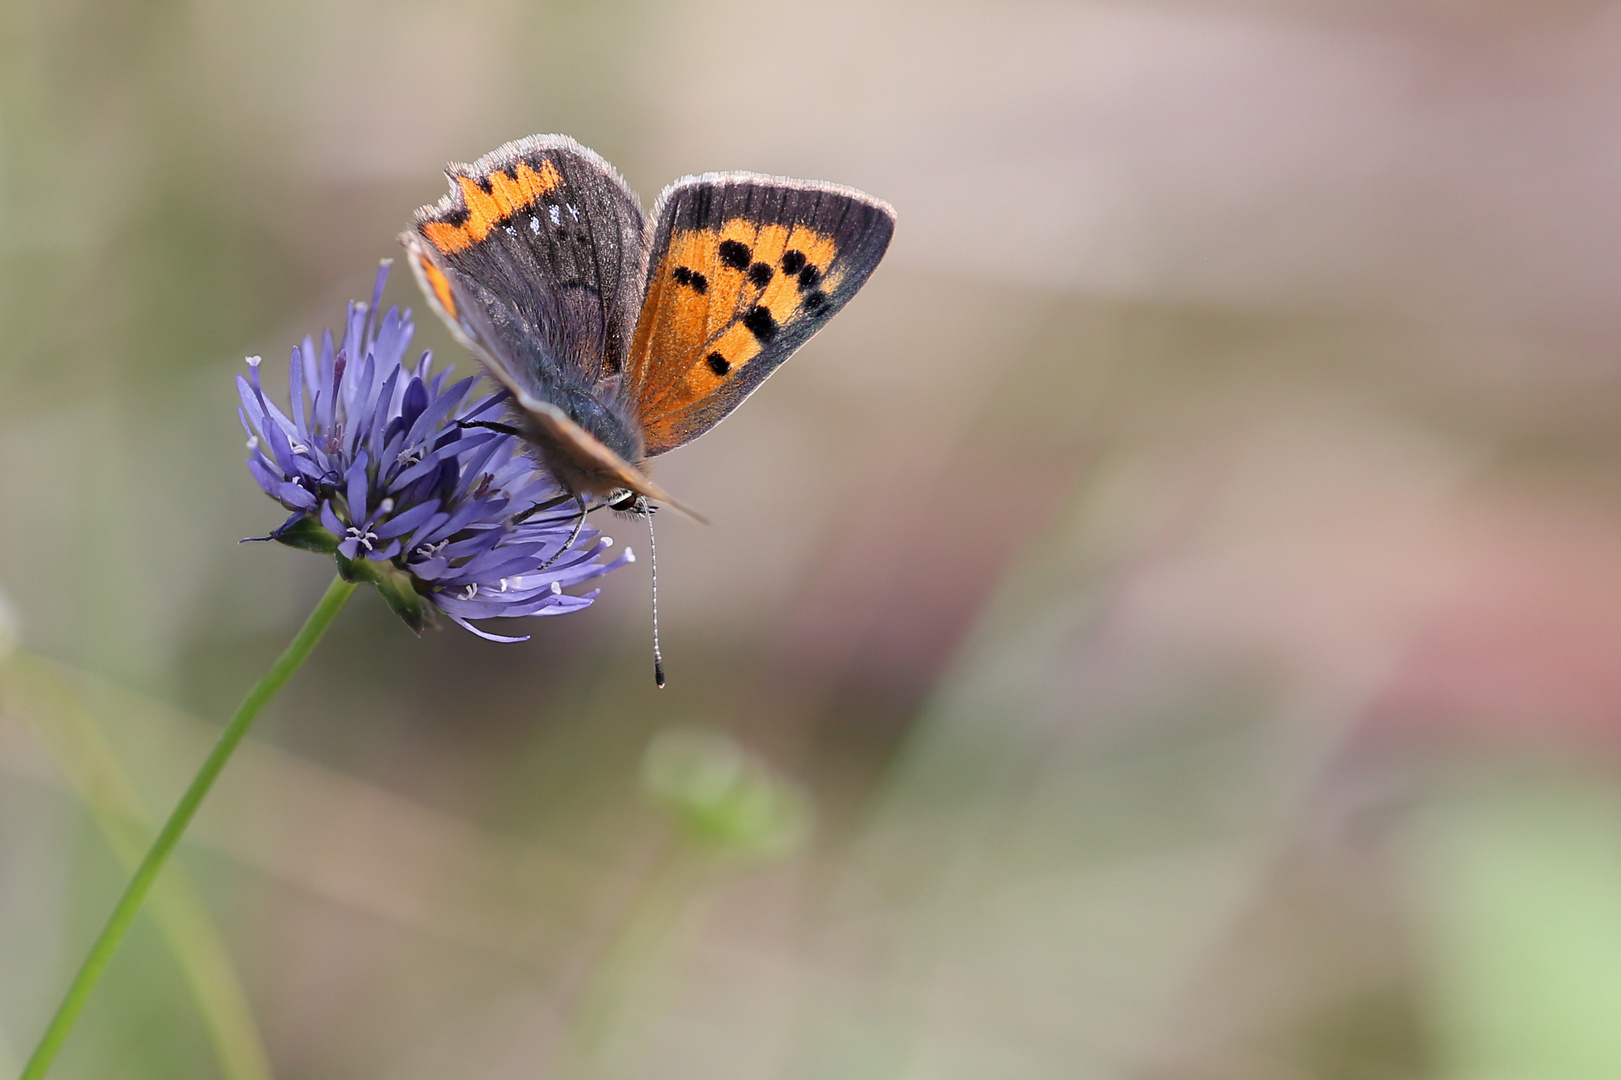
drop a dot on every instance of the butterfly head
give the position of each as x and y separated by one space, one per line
628 504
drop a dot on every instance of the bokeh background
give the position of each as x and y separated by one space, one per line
1167 627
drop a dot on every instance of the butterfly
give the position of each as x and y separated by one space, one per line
621 337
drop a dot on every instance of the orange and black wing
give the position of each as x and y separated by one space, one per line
535 260
744 269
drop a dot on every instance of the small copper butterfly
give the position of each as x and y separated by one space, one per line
621 339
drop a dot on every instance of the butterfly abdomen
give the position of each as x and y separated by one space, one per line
604 420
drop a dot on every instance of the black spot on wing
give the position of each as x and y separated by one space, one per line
735 254
718 363
814 302
761 323
760 274
793 262
456 215
809 278
693 279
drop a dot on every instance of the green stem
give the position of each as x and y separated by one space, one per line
64 725
123 914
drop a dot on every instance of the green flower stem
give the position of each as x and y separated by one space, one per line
123 914
80 752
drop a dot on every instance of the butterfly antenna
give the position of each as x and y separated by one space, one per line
653 562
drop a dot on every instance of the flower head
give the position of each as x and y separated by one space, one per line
379 468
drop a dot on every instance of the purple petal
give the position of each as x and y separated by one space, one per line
329 519
376 299
264 477
438 410
407 520
415 402
426 530
356 482
470 628
295 387
295 497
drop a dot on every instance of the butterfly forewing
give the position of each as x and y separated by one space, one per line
744 269
537 258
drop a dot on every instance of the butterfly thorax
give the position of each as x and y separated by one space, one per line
602 417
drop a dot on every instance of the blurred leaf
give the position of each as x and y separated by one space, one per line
1519 892
723 797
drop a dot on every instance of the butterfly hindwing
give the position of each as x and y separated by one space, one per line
536 258
744 269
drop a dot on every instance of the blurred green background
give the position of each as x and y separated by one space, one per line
1168 627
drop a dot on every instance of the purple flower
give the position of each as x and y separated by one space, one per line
377 468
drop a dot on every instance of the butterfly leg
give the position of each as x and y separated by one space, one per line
542 507
505 429
579 523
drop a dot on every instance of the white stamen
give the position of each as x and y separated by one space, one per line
388 505
503 584
253 442
630 556
469 592
255 361
409 457
606 541
557 588
300 448
364 539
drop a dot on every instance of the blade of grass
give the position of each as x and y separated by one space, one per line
81 753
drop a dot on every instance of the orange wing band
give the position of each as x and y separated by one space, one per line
509 194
